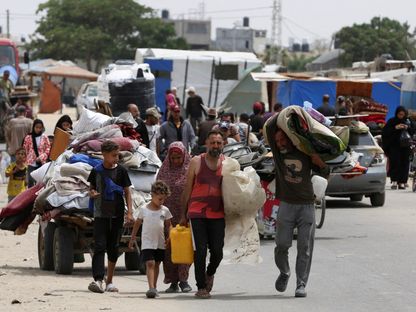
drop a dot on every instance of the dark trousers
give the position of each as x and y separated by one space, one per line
303 217
208 233
30 181
107 235
399 165
195 122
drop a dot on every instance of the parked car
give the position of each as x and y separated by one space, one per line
373 183
87 96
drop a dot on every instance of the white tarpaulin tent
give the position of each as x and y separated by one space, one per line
214 74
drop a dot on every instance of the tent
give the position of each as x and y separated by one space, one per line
52 90
214 74
408 94
296 91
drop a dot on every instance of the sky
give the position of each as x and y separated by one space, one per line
302 19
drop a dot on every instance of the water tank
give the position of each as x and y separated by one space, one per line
127 82
246 21
305 47
165 14
140 91
296 47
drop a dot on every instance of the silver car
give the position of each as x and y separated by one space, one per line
372 184
87 96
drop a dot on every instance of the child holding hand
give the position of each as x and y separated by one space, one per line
155 218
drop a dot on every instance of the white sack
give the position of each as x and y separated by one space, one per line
241 190
242 241
89 121
40 173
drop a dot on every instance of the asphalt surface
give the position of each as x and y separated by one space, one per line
364 260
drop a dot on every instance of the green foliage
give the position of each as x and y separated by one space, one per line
297 63
364 42
99 30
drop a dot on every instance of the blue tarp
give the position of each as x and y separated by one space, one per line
295 92
162 70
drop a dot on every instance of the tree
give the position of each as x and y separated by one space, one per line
99 30
364 42
296 62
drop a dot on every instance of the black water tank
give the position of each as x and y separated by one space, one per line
141 92
296 47
165 14
246 21
305 47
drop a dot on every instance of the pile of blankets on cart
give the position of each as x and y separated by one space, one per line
63 184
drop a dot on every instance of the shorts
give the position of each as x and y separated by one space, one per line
157 255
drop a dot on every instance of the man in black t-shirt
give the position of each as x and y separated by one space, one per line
194 108
108 183
296 210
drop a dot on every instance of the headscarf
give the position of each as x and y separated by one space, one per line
64 118
175 177
35 135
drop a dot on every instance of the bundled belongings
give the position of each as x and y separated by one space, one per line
243 196
308 135
18 212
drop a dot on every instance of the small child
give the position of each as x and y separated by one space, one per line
108 183
16 172
155 218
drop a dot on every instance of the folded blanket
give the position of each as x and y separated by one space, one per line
85 159
308 135
125 144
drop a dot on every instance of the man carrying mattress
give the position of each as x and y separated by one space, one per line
294 189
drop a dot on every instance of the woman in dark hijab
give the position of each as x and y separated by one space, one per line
64 123
396 149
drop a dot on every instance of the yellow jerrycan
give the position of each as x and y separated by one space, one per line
181 245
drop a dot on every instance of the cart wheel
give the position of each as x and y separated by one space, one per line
45 247
63 245
134 261
320 208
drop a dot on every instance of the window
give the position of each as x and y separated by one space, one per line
7 56
197 28
226 72
92 91
361 139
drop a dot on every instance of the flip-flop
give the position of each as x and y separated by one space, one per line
111 288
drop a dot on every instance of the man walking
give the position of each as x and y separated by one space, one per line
177 129
295 191
194 109
153 128
6 85
203 205
16 130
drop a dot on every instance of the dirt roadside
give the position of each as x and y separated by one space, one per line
21 279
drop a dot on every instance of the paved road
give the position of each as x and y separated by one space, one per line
365 260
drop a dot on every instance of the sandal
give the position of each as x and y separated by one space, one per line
111 288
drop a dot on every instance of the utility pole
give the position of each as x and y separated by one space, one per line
8 23
276 30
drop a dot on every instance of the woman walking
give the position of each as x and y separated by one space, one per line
37 148
173 173
396 144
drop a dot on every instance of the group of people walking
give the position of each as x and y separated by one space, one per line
188 192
